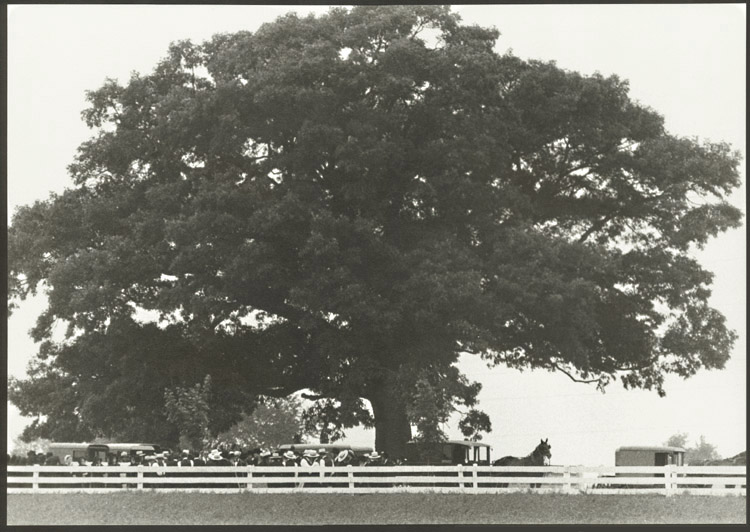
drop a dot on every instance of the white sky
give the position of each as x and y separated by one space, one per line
685 61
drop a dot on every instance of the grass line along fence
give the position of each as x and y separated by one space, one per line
666 480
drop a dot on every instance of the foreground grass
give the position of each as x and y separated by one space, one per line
405 508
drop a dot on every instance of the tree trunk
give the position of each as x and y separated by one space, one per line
392 428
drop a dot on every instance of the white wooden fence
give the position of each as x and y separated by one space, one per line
668 480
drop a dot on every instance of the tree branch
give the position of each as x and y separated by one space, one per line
595 227
571 377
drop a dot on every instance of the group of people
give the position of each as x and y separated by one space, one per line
249 458
33 458
213 458
321 457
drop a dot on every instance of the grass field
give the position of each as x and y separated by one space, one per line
378 508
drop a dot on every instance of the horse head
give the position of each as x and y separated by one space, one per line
543 452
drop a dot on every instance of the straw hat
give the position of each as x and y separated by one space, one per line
342 456
373 455
310 453
289 455
214 455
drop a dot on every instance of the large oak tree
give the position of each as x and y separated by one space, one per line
345 204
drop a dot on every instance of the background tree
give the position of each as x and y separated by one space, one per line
273 422
347 203
473 424
21 446
190 411
678 440
696 454
111 385
702 451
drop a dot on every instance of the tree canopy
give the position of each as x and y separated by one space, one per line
701 452
345 204
273 422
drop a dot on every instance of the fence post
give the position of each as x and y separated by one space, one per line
460 476
249 478
140 477
35 475
668 472
566 480
351 476
474 474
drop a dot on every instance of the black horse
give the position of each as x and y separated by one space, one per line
540 456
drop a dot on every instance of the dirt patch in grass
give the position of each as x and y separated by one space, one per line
382 508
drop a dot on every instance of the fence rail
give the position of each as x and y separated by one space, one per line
668 480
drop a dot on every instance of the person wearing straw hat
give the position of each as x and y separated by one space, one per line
124 459
264 458
289 458
373 459
160 461
138 458
344 458
216 459
156 460
326 460
309 458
